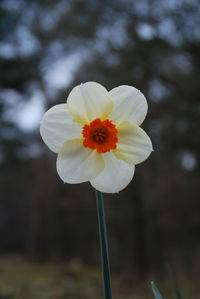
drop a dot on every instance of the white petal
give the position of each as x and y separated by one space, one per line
134 145
57 126
129 105
89 101
77 164
116 175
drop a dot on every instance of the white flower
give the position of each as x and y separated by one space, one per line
97 135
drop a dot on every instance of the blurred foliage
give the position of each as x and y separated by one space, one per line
46 48
25 279
156 291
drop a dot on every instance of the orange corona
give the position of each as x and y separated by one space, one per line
100 135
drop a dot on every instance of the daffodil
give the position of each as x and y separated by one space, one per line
96 135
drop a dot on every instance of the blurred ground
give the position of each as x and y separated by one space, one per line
21 278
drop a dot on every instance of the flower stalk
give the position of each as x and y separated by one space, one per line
104 246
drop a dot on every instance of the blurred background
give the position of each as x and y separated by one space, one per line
49 245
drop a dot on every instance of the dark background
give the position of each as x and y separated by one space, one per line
48 47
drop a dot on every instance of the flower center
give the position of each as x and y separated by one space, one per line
100 135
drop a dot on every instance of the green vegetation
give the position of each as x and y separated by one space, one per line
23 279
156 291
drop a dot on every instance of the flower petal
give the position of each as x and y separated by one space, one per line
57 126
129 105
89 101
116 175
134 145
77 164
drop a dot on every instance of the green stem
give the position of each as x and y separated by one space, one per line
104 246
